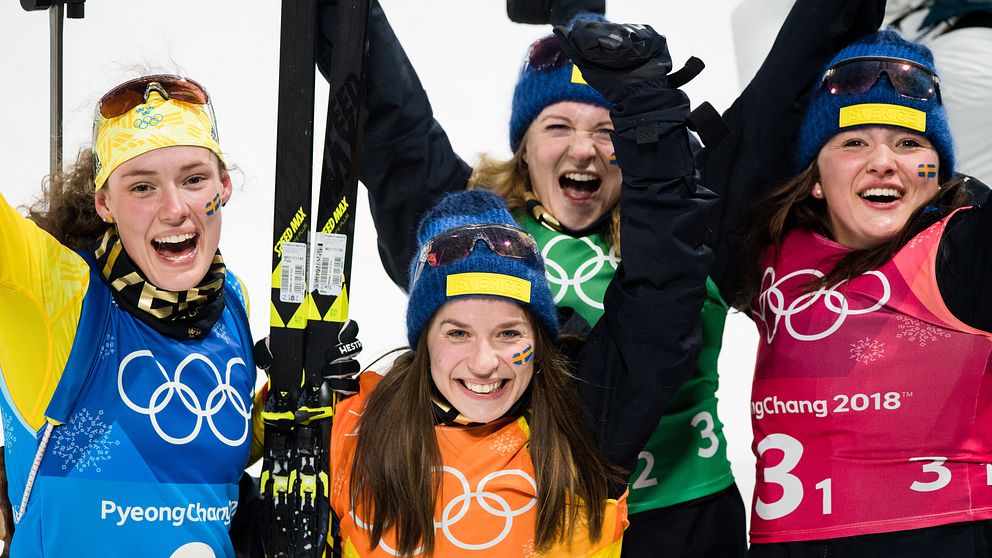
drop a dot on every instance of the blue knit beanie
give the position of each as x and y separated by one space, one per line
483 273
548 77
827 114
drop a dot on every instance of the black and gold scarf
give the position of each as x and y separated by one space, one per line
181 315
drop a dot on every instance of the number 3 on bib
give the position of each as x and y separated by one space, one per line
781 474
792 487
706 433
709 443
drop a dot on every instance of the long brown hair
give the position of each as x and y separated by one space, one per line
395 470
511 179
792 206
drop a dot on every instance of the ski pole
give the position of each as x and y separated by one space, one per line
57 10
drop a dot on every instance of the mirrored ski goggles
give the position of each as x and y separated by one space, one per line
858 75
130 94
546 54
459 243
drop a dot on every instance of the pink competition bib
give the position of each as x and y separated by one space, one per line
871 402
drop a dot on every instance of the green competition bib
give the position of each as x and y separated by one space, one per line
686 457
578 269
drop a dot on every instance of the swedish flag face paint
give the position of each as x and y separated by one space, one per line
213 205
927 170
524 356
160 202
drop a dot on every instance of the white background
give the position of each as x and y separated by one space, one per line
466 52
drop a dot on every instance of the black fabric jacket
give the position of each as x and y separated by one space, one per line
765 119
407 161
646 344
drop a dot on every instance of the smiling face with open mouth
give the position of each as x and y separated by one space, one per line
481 353
873 179
568 150
166 206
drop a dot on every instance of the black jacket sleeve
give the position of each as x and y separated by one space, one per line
407 161
964 262
764 121
645 346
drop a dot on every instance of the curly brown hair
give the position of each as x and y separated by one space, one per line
65 208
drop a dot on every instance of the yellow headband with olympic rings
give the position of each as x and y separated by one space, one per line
158 122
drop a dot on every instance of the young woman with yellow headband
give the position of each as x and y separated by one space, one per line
125 356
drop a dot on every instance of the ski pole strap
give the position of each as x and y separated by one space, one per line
707 122
685 74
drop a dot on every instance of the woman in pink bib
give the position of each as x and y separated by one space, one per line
864 274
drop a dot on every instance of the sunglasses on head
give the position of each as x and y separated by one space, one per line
459 243
121 99
126 96
858 75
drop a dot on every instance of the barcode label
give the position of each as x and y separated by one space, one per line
329 255
293 285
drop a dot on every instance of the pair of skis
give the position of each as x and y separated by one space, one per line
309 341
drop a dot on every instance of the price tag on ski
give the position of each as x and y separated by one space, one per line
309 302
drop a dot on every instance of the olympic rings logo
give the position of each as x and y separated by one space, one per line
772 300
218 398
558 276
450 516
147 121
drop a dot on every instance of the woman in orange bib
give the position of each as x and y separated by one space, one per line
484 439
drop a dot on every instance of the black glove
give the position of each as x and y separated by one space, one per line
555 12
341 368
340 365
614 57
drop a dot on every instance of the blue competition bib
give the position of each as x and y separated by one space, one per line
155 436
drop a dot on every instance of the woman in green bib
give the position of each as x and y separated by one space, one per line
563 186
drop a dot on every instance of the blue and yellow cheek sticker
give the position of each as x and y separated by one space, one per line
213 205
928 170
613 158
524 356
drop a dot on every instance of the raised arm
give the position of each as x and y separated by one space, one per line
764 120
407 160
42 285
964 261
645 346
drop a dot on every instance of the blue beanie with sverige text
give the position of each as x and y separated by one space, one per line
829 114
482 273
